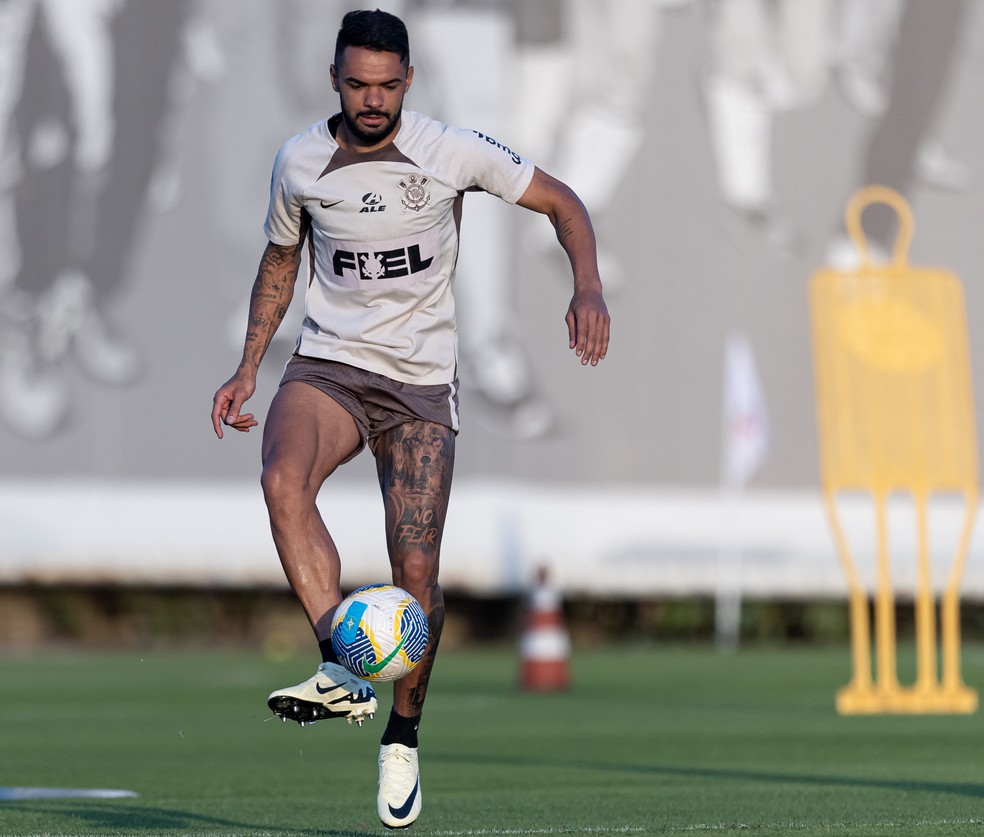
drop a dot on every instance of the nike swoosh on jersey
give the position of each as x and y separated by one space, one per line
330 204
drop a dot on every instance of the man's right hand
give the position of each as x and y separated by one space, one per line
229 400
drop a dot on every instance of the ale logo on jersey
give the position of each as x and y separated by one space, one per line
372 202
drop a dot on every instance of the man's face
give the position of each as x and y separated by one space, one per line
371 86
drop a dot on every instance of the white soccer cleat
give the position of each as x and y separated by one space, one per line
398 802
333 692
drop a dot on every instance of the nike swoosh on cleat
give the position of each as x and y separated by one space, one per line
321 691
404 809
374 668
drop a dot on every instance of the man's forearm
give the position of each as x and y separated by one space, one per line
270 298
576 236
570 221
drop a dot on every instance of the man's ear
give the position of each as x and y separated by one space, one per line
409 78
334 78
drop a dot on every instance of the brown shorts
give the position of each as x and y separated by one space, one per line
377 403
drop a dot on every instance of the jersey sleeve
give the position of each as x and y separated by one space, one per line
283 220
487 164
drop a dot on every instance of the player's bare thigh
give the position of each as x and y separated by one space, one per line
307 435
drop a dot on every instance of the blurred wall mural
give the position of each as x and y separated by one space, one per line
714 141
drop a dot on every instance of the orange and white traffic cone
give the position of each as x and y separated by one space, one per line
545 647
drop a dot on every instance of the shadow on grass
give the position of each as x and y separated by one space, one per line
970 789
126 818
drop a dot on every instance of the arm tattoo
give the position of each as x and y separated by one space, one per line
272 292
565 229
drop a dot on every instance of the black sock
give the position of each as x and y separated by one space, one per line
328 654
400 730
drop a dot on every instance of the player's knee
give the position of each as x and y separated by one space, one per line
282 490
415 571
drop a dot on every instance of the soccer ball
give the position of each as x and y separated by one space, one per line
379 632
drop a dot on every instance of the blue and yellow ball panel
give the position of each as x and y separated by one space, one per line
380 632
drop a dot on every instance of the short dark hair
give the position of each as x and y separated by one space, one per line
376 30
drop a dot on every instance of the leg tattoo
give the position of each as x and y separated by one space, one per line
414 464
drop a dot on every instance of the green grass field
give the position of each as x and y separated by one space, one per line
648 741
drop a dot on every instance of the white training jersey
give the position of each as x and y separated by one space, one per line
384 240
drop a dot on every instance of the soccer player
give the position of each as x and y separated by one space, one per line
375 193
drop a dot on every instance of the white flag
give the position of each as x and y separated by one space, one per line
746 423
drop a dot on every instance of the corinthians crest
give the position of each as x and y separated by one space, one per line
415 196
